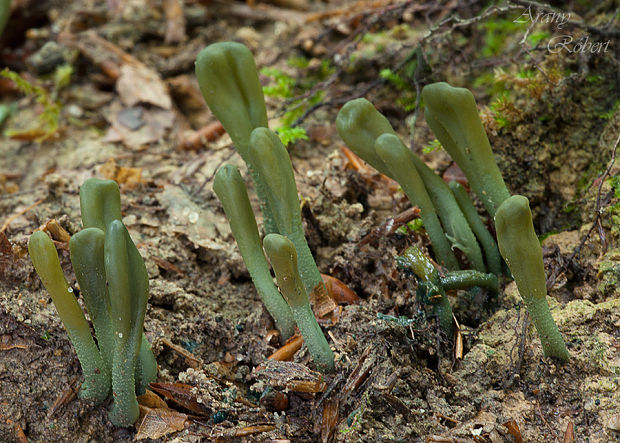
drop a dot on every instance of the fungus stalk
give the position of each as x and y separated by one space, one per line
453 116
281 253
430 290
231 191
44 257
400 163
491 253
128 289
229 83
521 250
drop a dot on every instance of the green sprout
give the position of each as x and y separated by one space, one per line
114 283
283 257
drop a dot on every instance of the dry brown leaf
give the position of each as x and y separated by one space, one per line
182 395
361 371
329 419
139 84
159 422
614 423
189 219
121 175
338 291
151 400
569 435
322 304
57 232
513 429
155 124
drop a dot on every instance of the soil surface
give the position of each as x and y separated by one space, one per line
115 96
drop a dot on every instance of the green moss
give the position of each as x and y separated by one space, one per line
609 272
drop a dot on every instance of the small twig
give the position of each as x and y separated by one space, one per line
391 225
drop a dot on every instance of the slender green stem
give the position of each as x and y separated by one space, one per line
230 189
281 252
431 294
491 253
453 116
452 218
128 289
273 165
430 290
44 257
521 249
88 264
469 278
399 160
229 82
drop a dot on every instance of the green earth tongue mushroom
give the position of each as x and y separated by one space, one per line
229 83
100 205
491 253
521 250
128 289
281 253
359 124
453 116
274 167
399 161
88 264
44 257
230 189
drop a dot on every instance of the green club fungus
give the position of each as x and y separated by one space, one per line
521 249
230 189
283 257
